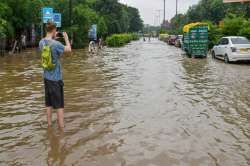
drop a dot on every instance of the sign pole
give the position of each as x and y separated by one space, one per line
41 23
41 30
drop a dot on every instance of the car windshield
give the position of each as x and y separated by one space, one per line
180 36
240 40
173 37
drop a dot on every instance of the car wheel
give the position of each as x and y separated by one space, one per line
213 55
226 59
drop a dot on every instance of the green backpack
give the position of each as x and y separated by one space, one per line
47 62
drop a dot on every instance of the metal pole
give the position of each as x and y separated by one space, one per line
41 30
41 24
176 8
164 17
70 20
159 16
177 14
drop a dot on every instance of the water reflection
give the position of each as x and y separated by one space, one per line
57 148
142 104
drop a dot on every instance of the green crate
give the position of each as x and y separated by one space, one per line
196 41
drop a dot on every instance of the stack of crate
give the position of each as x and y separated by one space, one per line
196 39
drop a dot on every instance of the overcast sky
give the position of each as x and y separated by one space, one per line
148 8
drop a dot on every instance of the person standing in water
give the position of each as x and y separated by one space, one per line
53 83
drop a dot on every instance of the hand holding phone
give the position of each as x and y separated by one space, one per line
59 35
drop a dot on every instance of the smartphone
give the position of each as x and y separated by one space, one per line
59 34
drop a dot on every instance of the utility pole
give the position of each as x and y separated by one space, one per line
155 20
164 17
176 8
176 16
159 16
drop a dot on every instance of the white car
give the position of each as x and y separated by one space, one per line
232 48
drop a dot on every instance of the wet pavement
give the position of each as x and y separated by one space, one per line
144 104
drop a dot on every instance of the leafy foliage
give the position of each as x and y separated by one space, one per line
233 25
118 40
245 31
135 22
235 17
210 10
102 30
111 17
215 33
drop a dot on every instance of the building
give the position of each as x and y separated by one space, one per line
166 24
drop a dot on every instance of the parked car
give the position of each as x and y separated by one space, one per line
172 39
163 37
178 41
232 48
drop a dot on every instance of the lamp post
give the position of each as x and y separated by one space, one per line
176 15
159 16
164 17
176 8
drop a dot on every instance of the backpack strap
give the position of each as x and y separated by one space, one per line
48 42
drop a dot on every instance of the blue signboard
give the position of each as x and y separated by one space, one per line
47 14
57 17
93 32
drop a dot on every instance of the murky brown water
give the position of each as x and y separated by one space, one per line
141 105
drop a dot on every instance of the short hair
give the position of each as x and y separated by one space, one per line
50 26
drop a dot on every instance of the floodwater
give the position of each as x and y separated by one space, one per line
144 104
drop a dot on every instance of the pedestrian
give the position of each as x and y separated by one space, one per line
92 47
52 51
23 40
100 43
149 37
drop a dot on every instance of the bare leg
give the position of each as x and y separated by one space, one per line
60 118
49 116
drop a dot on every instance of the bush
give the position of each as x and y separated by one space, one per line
245 30
215 34
118 40
162 31
233 24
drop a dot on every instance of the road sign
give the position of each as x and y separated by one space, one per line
93 32
57 19
47 14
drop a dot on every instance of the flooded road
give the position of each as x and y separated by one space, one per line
144 104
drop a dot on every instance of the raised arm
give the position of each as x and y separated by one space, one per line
67 47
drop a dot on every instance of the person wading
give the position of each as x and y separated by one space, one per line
51 51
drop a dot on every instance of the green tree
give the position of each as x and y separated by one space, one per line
233 24
136 23
245 30
102 29
17 16
5 27
83 18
